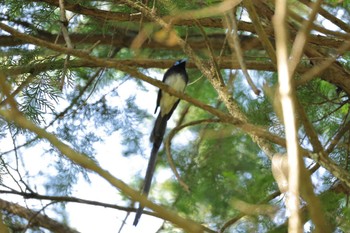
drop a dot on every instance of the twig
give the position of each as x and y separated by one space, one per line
64 29
316 27
230 21
337 137
19 88
301 38
37 196
212 54
228 223
260 31
225 63
312 73
64 24
329 16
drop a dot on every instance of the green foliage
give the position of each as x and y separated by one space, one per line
39 97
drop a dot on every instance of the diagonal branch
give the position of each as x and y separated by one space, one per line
230 23
328 15
38 220
260 31
302 38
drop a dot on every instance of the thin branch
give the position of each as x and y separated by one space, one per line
232 221
64 24
332 144
317 27
319 68
302 38
307 192
64 30
287 95
19 88
37 196
230 23
260 31
33 195
329 16
212 54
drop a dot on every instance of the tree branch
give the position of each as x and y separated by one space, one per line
36 219
287 95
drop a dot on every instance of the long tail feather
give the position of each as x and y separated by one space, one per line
156 137
159 129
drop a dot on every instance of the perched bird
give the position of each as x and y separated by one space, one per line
177 78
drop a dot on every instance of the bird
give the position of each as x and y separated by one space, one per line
177 78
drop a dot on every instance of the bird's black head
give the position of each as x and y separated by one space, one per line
181 62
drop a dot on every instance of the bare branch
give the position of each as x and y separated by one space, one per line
287 96
230 22
38 220
302 38
260 31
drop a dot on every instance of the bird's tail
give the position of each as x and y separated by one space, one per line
159 129
156 137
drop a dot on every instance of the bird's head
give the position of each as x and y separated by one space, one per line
179 62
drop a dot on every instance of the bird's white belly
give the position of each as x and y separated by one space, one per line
167 101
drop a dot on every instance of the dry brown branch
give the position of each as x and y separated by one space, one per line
36 219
